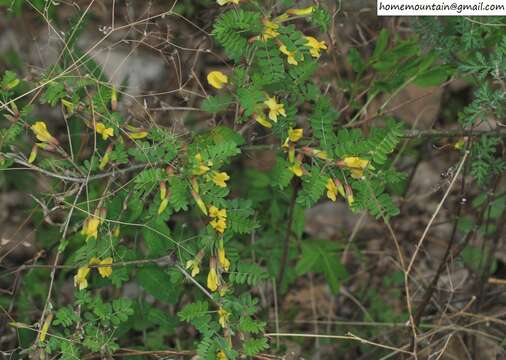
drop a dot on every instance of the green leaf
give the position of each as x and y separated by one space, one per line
216 104
321 256
381 44
158 284
433 77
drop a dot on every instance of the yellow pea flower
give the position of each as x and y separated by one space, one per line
270 30
42 134
90 227
356 165
199 201
315 46
106 132
219 224
45 327
163 205
214 212
104 271
459 145
138 135
105 159
320 154
33 154
297 169
217 79
201 168
223 315
275 108
212 276
301 12
220 178
222 259
290 55
260 118
225 2
68 105
220 355
349 194
195 264
114 99
331 190
294 135
80 279
164 197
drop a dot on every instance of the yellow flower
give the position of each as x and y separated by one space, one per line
315 46
80 279
275 109
201 168
459 145
199 201
33 154
289 54
224 2
331 190
260 118
42 134
219 224
105 159
223 315
138 135
163 205
90 227
106 132
349 195
220 178
114 99
295 135
301 12
220 355
194 265
270 30
214 212
45 327
164 197
320 154
212 277
104 271
356 165
297 169
224 262
217 79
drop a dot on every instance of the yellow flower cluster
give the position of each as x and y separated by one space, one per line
294 135
219 219
81 278
333 188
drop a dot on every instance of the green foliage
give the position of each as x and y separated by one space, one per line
163 225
